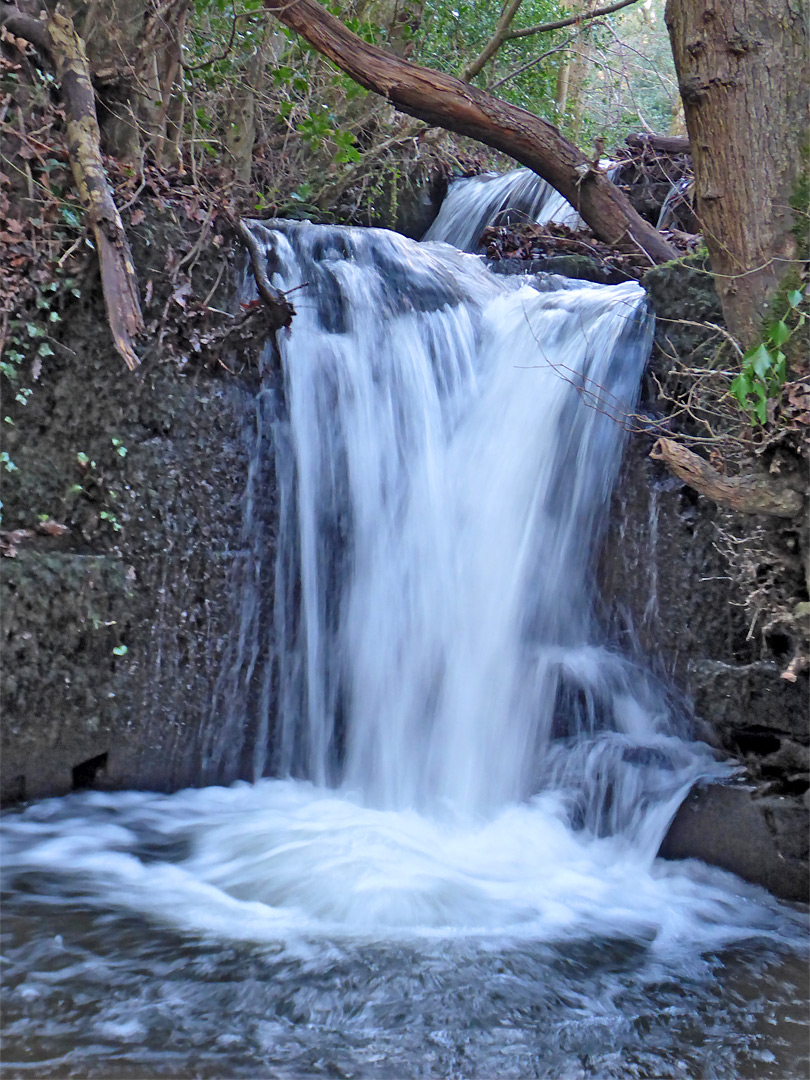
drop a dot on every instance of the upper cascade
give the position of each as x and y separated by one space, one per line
474 202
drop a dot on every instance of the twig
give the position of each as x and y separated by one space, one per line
531 63
281 310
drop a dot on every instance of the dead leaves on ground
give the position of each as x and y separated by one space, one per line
12 539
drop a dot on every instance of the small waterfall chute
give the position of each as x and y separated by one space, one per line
472 203
511 198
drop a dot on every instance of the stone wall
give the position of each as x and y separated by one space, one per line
672 596
114 633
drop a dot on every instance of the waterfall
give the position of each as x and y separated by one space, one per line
474 202
445 863
456 437
447 744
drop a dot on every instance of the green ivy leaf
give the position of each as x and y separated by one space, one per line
761 361
779 333
70 217
761 404
741 388
794 297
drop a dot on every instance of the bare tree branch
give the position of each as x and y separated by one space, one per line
572 20
746 494
531 63
508 12
25 26
58 38
280 309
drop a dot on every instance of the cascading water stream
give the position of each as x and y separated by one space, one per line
509 198
449 753
457 438
472 203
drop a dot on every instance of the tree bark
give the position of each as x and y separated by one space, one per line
59 39
448 102
155 67
746 494
744 73
578 62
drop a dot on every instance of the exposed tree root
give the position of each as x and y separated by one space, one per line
281 310
747 494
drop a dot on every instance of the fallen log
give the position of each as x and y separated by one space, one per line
667 144
747 494
58 38
448 102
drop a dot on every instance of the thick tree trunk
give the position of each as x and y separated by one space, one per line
112 32
155 70
744 73
578 63
450 103
134 52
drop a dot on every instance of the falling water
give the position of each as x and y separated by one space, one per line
457 438
509 198
454 757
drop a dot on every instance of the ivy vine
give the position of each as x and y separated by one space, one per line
764 366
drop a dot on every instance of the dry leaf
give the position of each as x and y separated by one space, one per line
52 528
180 293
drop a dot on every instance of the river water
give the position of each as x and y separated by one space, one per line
446 865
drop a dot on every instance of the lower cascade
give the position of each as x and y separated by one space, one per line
451 754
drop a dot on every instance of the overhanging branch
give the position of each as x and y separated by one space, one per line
571 20
508 12
448 102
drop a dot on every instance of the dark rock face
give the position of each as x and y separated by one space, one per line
671 595
114 633
762 840
580 267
